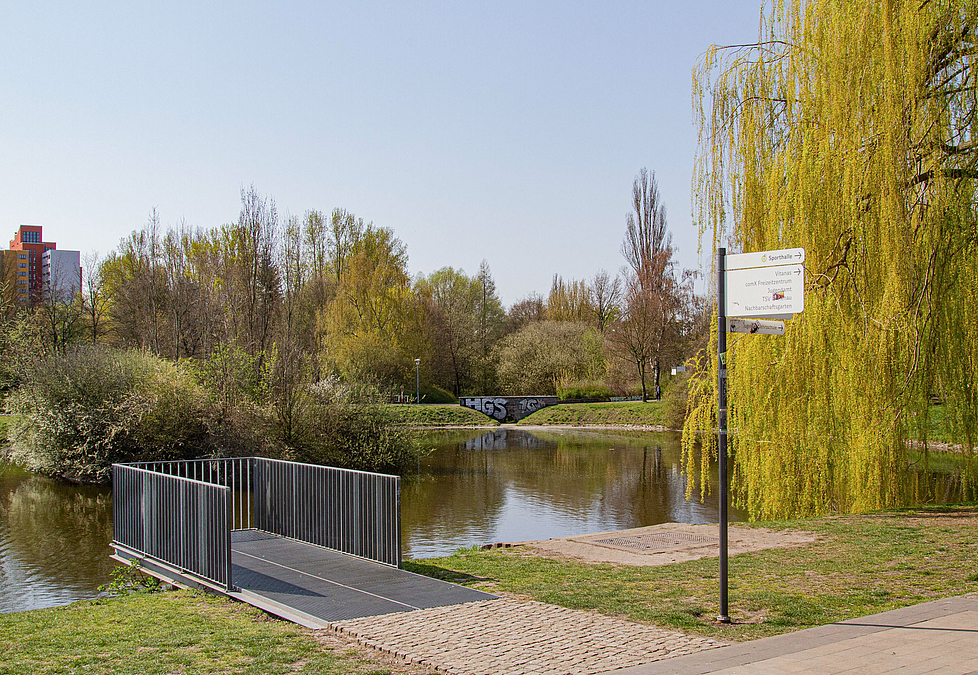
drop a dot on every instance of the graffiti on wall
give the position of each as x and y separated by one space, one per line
530 405
494 407
503 407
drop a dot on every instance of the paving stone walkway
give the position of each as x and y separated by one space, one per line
509 637
938 637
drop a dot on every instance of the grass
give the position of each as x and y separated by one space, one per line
438 415
651 413
173 632
860 565
6 421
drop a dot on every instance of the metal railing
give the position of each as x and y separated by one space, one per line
354 512
183 512
234 473
178 520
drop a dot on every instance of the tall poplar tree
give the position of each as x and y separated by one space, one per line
849 130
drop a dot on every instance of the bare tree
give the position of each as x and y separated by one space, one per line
258 279
653 298
648 245
491 321
345 231
152 232
95 298
136 285
60 307
526 310
605 298
288 372
10 302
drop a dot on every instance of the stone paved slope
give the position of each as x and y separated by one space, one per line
509 637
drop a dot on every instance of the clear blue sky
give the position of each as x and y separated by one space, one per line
505 131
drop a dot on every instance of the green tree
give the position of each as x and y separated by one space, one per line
364 322
542 354
849 130
454 299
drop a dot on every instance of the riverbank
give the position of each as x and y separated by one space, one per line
650 415
434 415
636 415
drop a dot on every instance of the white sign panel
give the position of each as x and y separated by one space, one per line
762 291
786 256
755 326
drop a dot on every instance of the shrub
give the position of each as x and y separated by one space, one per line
359 436
674 400
535 358
583 390
89 407
435 394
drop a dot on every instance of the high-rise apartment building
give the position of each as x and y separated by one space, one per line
39 269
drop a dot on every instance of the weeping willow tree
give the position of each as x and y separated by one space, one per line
848 129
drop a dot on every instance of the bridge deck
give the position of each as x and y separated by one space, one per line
327 586
314 586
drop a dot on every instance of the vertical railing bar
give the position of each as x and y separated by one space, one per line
227 541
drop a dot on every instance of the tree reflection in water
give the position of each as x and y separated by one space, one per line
54 541
513 485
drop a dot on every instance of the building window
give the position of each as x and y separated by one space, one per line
22 256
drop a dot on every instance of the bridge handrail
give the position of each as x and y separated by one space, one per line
354 512
180 521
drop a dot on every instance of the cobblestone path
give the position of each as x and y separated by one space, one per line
506 637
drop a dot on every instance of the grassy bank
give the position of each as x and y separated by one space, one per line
859 565
174 632
438 415
633 413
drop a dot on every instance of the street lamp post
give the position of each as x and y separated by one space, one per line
417 380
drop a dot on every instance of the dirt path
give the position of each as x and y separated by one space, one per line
662 544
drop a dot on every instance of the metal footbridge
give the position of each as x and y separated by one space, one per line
310 544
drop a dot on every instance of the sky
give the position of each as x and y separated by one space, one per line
505 131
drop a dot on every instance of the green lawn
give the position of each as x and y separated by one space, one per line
651 413
173 632
860 565
438 415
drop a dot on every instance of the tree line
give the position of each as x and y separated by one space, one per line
280 336
330 295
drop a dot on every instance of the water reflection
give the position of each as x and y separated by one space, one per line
54 541
513 485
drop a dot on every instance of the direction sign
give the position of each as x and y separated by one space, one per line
755 326
762 291
785 256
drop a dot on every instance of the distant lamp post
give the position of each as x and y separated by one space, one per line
417 379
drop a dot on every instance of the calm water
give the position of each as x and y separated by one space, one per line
54 541
512 485
474 488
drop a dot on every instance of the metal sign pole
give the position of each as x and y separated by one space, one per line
724 616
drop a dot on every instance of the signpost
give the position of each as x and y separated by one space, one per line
764 284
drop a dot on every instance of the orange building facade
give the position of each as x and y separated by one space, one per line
28 246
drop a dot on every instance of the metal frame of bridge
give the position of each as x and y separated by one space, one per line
311 544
